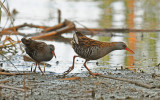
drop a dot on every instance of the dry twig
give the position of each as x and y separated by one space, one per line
129 81
10 74
69 26
71 78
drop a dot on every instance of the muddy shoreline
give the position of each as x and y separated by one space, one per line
48 87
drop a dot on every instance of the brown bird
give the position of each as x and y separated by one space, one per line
39 51
90 49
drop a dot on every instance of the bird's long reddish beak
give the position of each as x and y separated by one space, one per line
53 54
129 50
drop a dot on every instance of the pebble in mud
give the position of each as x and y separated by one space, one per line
57 62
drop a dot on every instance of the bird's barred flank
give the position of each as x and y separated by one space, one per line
90 49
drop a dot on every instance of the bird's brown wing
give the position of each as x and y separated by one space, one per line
87 42
36 46
41 46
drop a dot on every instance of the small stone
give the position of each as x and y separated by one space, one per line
2 70
112 97
97 63
128 97
147 95
57 62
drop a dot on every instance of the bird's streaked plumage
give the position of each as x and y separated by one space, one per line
90 49
39 51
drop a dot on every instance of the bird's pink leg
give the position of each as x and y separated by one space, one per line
40 69
44 67
35 68
31 67
71 68
93 74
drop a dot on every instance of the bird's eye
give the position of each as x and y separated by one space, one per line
124 46
27 40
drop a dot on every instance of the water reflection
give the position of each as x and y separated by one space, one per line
117 57
94 14
44 12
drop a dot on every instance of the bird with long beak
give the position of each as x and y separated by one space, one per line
38 51
90 49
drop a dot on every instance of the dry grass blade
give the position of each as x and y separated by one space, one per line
9 39
0 14
6 9
71 78
10 44
7 12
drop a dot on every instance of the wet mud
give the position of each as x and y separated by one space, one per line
49 87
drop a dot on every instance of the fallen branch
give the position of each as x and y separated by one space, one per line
24 25
36 26
10 74
65 27
11 87
7 32
4 81
129 81
125 30
15 27
69 26
49 29
13 30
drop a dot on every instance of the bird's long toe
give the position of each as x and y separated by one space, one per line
68 71
34 70
95 74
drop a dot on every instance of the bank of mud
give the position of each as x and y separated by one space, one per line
49 87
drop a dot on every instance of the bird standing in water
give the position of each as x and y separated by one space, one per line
39 51
90 49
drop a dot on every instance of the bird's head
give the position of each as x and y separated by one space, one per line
26 41
121 46
52 48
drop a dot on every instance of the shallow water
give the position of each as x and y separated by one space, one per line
93 14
